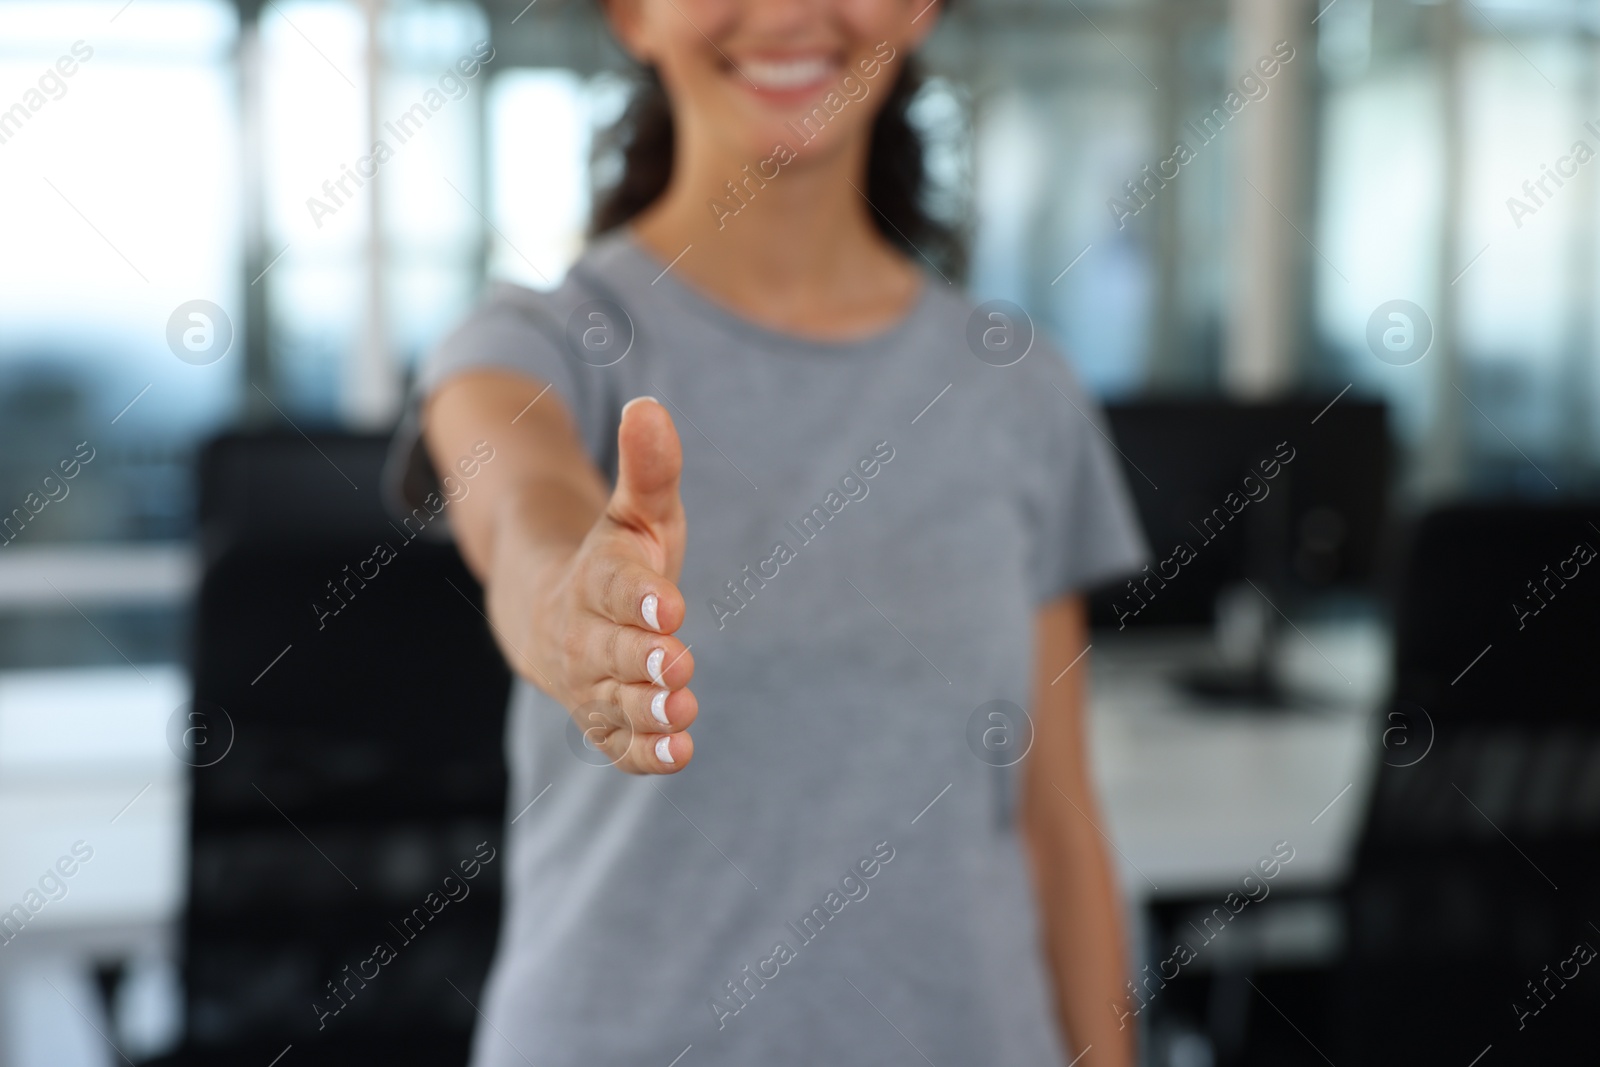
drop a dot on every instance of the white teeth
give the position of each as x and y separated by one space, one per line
785 74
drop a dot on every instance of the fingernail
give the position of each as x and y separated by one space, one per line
664 750
648 610
636 399
658 707
652 664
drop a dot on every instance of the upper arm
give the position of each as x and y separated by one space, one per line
1059 759
535 440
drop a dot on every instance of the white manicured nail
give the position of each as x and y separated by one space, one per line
636 399
648 610
664 750
652 664
658 707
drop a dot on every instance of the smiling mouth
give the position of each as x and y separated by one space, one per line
784 76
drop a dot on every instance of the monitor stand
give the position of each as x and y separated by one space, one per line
1253 689
1247 637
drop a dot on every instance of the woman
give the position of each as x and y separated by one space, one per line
750 422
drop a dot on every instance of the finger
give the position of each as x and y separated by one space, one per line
655 753
626 591
629 654
650 709
604 727
649 461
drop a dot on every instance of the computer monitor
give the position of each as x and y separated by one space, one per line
1249 509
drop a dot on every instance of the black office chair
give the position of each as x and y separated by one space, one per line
364 768
1480 863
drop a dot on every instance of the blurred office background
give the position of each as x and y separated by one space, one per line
175 163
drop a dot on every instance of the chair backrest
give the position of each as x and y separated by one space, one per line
1499 604
1479 858
363 700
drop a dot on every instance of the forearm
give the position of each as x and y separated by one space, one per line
1080 911
1081 919
535 504
529 540
580 577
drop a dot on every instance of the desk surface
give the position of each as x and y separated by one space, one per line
84 757
1196 795
1192 797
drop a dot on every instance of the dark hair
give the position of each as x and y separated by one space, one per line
642 141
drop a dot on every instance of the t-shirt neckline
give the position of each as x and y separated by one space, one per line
657 274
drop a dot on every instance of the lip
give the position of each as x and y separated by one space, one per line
787 78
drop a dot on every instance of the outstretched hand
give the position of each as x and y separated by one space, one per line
604 628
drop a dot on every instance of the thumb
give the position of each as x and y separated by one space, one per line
649 461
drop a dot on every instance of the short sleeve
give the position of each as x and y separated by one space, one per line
515 330
1087 532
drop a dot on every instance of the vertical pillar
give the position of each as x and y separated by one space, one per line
1443 462
1171 366
254 333
1267 289
1577 374
372 380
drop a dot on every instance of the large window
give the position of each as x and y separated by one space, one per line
1455 174
121 181
189 156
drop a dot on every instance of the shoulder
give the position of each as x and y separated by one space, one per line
512 322
1028 400
1008 356
601 273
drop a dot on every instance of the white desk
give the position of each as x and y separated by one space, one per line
1195 796
1192 799
84 757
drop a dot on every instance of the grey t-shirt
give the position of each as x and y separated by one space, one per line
871 524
